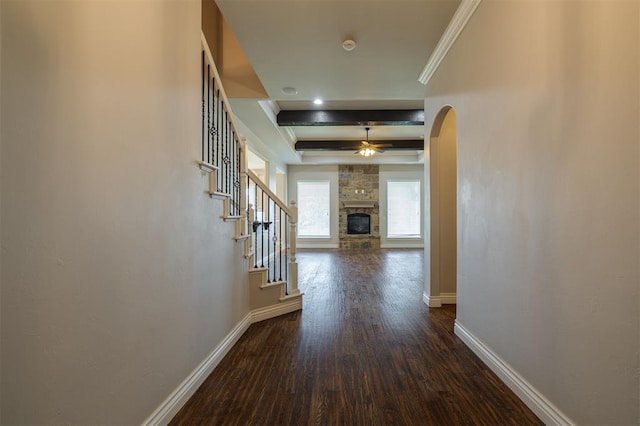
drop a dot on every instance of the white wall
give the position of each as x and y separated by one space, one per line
398 172
117 277
546 95
330 173
273 165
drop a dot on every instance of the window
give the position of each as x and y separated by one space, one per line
313 209
403 209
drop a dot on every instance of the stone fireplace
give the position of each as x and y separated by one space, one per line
359 197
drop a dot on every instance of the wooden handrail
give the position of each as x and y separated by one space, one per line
270 193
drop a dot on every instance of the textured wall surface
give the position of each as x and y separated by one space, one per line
118 277
547 101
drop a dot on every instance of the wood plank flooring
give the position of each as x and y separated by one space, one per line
365 350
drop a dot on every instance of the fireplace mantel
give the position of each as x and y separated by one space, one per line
359 204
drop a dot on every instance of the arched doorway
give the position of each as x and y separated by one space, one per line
441 252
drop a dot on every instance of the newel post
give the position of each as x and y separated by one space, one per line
293 264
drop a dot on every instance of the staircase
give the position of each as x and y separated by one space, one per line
263 223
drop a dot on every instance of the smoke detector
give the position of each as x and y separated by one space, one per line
348 45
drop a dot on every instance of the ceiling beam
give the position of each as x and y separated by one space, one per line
356 117
339 145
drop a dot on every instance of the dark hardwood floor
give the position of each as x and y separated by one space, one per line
364 351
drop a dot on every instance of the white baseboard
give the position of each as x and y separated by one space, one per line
541 406
448 298
438 301
285 307
431 301
170 407
174 402
317 246
401 245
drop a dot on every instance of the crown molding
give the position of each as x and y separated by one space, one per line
451 33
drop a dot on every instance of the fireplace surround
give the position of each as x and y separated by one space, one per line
358 195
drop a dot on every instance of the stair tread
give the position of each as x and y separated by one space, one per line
292 296
273 284
220 194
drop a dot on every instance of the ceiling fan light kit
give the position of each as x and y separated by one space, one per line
368 149
366 152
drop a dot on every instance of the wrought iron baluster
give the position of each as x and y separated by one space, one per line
226 153
233 171
248 201
222 146
255 229
229 149
225 150
208 159
212 128
262 233
223 131
218 130
226 158
238 185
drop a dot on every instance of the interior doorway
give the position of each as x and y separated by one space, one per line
442 252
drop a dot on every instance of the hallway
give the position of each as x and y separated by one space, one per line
365 350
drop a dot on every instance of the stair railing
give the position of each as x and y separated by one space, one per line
222 149
265 222
273 227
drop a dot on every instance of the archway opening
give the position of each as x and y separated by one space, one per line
442 243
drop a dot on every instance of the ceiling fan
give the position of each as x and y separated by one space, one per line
367 149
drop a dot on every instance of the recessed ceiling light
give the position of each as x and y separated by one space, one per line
348 45
288 90
318 101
